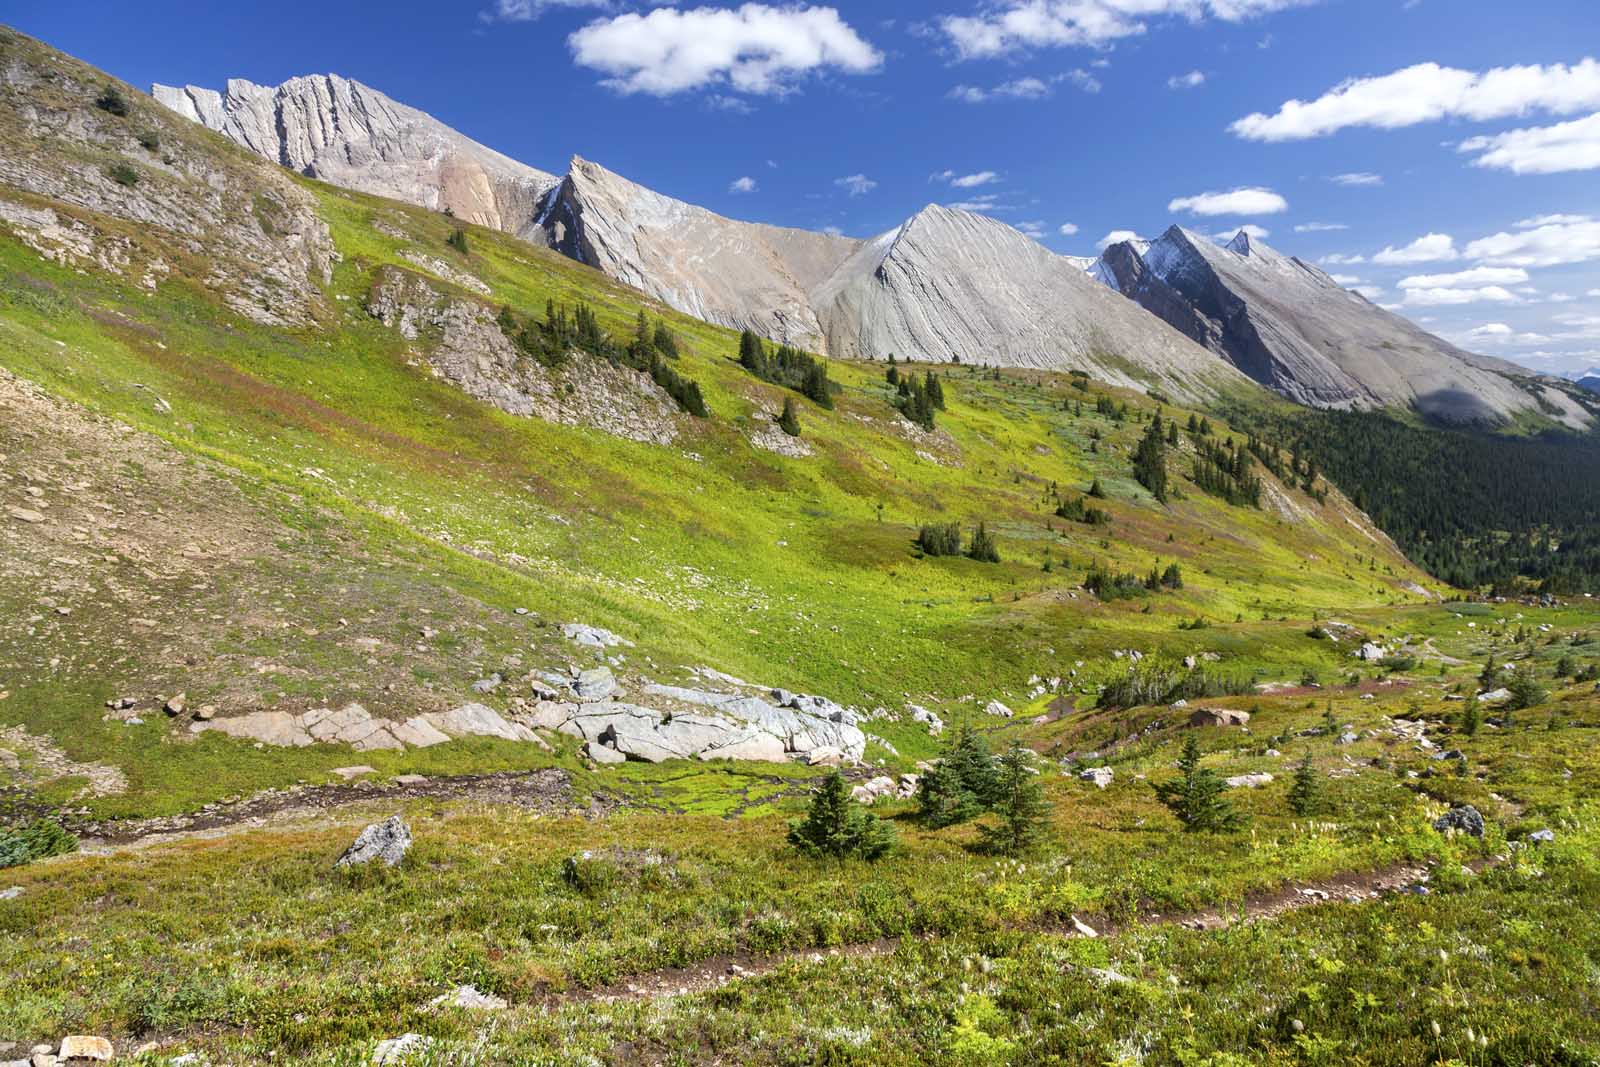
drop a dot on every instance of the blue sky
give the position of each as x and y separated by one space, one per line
1445 159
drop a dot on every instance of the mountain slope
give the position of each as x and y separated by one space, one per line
1294 329
742 275
955 286
343 132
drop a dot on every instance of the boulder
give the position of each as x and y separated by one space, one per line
277 728
177 705
1463 818
1218 717
593 636
80 1049
923 715
418 732
387 842
825 756
1371 653
1100 776
1349 737
594 685
487 685
1248 781
478 720
1495 698
350 773
1542 837
994 707
603 754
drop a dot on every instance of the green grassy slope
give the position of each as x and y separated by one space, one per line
342 447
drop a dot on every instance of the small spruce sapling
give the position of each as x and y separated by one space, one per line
837 826
1195 796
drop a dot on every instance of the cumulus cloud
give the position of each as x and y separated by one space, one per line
856 184
1253 201
985 204
1025 88
750 49
1549 241
1490 329
1359 177
1034 228
1117 236
1192 80
1371 292
1447 297
1255 232
1067 229
1467 279
1337 259
1320 227
1429 248
742 185
1592 292
1428 92
1566 146
1021 24
1345 279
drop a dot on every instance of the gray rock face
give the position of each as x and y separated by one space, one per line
385 842
349 134
1294 329
738 274
950 284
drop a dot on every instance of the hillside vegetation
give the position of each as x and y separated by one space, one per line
268 447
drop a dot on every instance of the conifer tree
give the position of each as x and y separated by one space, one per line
1195 796
1471 715
1020 804
983 548
837 826
789 421
752 354
1305 794
962 785
1097 491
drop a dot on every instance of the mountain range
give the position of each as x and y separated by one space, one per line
1194 318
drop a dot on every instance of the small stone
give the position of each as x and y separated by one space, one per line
177 705
206 712
24 515
1248 781
603 754
468 998
1100 776
398 1050
1083 929
1219 717
1542 837
594 685
410 779
1463 818
349 773
386 841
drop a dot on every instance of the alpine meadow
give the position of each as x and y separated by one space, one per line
454 612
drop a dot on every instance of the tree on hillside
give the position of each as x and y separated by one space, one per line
1020 805
1195 796
789 420
940 539
837 826
112 102
1150 461
983 548
1096 490
963 784
458 241
1490 673
752 354
1305 795
1471 715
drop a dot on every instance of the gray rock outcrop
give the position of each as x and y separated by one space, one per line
1463 818
385 842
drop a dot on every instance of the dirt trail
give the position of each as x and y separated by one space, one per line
720 970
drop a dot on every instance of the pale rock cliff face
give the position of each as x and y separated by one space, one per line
1294 329
343 132
739 274
951 284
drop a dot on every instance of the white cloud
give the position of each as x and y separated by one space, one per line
1429 248
966 181
1490 329
1067 229
1371 292
1340 259
742 185
1428 92
1256 232
1034 228
1117 236
1543 242
984 204
1345 279
1234 202
528 10
1566 146
1019 24
1498 333
1592 292
1359 177
1466 279
833 231
1320 227
1192 80
1446 297
1025 88
856 184
750 49
1560 298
